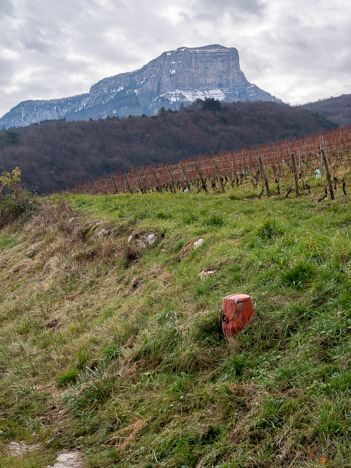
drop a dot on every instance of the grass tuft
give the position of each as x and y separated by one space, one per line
67 377
299 275
269 230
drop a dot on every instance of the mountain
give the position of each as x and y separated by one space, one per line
56 155
336 109
174 78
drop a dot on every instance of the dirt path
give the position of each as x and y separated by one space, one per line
69 460
64 460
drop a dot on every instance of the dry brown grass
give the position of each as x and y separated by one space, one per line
126 436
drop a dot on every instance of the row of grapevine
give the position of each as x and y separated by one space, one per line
215 171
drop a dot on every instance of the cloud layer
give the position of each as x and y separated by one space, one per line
297 50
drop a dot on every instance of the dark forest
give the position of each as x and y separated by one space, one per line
56 155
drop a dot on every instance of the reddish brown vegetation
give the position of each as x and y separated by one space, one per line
233 165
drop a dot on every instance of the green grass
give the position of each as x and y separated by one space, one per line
115 349
7 241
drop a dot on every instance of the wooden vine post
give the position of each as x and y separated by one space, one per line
330 185
321 148
244 162
293 161
171 179
201 178
103 186
114 183
220 178
157 181
127 182
263 172
140 182
185 177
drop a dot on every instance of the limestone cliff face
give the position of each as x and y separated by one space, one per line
177 77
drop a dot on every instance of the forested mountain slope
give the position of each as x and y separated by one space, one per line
57 155
336 109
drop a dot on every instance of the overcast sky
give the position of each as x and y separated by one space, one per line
298 50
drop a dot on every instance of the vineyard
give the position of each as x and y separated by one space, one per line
280 169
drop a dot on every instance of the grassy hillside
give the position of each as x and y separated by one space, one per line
114 349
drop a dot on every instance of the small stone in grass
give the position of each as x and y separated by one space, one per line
198 243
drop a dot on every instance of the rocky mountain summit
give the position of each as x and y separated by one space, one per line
174 78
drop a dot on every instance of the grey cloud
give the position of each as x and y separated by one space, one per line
6 7
238 10
7 69
249 6
55 49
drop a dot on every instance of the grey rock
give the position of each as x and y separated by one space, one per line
103 233
198 243
175 78
69 460
150 239
17 449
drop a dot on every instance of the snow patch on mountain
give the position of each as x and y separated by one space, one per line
174 78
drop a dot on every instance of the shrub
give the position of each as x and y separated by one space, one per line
17 203
11 180
14 208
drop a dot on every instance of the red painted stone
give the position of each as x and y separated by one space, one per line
236 313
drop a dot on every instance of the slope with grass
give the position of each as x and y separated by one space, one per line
114 349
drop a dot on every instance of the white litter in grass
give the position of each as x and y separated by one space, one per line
103 233
203 273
